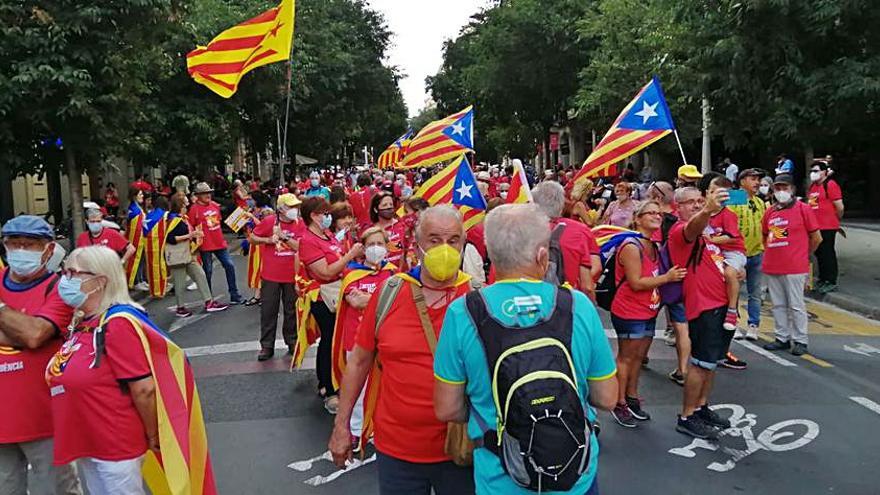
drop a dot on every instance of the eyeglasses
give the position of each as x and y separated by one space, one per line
653 213
70 273
691 201
815 170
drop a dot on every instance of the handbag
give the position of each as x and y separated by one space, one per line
178 254
459 445
330 294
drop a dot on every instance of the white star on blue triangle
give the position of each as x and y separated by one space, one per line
464 190
649 111
461 131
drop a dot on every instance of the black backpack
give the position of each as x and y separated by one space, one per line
606 287
556 270
541 434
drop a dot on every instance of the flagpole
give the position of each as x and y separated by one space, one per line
680 148
286 117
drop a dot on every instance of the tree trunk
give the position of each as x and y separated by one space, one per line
809 154
53 191
706 161
548 165
7 208
74 180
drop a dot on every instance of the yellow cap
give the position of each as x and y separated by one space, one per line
289 200
689 172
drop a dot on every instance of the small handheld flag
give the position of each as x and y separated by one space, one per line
441 140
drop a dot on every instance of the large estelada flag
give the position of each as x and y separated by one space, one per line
183 465
135 234
263 40
456 185
156 228
441 140
519 186
643 121
395 152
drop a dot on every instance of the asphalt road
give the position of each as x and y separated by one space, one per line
804 425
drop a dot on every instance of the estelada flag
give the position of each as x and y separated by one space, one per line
643 121
395 152
183 466
519 191
158 224
263 40
135 234
441 140
456 185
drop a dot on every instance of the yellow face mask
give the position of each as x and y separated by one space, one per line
442 262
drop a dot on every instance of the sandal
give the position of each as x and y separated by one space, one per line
252 301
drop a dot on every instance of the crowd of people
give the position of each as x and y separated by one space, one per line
473 360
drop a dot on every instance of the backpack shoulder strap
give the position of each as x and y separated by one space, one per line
387 294
556 235
427 326
51 285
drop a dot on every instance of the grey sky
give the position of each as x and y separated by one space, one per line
420 27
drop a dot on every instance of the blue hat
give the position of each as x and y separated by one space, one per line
28 226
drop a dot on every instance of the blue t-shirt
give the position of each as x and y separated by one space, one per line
318 191
461 359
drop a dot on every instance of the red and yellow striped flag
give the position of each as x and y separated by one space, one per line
439 190
263 40
441 140
519 186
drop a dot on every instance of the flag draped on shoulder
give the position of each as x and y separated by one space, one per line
135 233
394 154
643 121
456 185
441 140
183 466
156 228
519 191
259 41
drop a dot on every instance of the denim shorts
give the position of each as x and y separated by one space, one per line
735 259
634 329
676 313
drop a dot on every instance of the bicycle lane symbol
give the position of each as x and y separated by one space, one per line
741 424
308 464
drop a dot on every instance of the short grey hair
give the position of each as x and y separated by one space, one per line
444 211
682 193
93 213
550 198
514 233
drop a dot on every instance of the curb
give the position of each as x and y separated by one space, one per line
847 303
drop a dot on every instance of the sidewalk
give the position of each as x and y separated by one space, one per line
858 256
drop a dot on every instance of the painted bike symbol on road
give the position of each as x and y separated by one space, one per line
308 464
780 437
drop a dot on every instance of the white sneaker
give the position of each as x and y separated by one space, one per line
669 336
143 286
752 333
191 287
740 333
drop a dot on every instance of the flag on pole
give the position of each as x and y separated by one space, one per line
158 224
135 234
259 41
643 121
519 191
441 140
395 152
456 185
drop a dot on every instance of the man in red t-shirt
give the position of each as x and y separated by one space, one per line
32 320
205 214
826 200
791 235
705 301
360 201
98 235
580 252
409 439
278 239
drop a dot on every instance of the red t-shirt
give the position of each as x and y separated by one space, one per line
704 288
631 304
26 415
405 424
93 413
821 201
312 248
727 223
577 244
210 219
787 233
396 240
477 236
278 259
368 284
108 237
360 206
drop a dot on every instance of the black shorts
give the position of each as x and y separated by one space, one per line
709 340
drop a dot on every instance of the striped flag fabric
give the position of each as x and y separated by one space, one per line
393 155
643 121
259 41
519 191
441 140
456 185
135 234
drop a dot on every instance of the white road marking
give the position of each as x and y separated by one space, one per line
767 354
210 350
182 322
868 403
307 464
320 480
862 348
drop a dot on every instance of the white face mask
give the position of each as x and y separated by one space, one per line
375 254
503 194
606 194
782 196
764 190
815 176
291 214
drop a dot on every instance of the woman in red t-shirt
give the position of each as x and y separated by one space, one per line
111 200
382 213
324 260
635 307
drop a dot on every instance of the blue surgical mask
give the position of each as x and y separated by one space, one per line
341 234
314 182
70 290
23 262
326 221
95 227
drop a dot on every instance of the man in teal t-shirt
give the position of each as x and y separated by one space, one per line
517 238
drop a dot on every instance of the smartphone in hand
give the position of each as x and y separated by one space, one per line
736 197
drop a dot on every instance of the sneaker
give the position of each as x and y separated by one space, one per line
676 377
669 336
798 349
696 427
752 333
712 418
740 333
143 287
214 307
331 404
777 345
731 362
191 287
828 287
355 444
183 312
634 404
265 354
623 416
730 320
235 300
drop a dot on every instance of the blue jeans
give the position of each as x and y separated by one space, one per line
399 477
753 286
222 256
